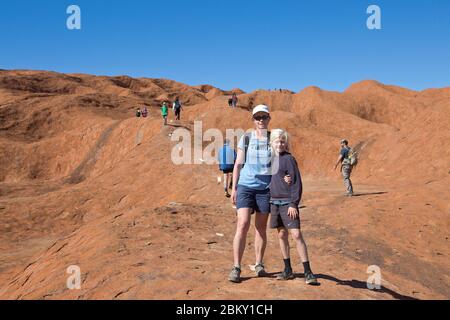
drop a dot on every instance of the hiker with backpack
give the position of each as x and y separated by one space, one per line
284 201
347 158
227 157
164 112
234 100
250 192
177 108
138 112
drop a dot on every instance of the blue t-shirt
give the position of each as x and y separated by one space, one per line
344 152
226 157
256 173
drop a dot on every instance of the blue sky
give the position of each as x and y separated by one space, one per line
228 43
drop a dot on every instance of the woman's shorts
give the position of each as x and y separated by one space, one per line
258 200
279 217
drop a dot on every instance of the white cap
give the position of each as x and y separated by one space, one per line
260 108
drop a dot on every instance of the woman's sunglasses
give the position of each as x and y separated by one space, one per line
259 118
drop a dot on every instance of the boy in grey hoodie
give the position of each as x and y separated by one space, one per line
284 201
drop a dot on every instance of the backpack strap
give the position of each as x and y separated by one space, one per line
247 137
246 143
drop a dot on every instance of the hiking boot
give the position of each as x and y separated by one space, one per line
227 194
259 269
286 275
348 194
235 275
311 279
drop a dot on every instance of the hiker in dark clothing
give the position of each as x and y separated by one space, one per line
138 112
177 108
284 201
145 112
230 102
234 100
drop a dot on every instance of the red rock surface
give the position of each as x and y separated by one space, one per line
83 182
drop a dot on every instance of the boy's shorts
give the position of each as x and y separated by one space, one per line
279 217
258 200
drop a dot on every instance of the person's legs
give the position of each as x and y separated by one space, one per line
260 235
242 227
225 181
303 252
300 244
262 199
346 171
283 239
225 184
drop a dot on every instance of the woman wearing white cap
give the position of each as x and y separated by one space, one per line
250 193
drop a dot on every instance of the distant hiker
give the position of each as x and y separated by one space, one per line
227 157
145 112
346 166
284 201
230 102
138 112
177 108
250 192
234 100
164 112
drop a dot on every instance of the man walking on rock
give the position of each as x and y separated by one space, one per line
346 167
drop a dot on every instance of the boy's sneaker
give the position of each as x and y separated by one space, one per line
285 275
311 279
235 275
227 194
259 269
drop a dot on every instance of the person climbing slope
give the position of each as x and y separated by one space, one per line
164 112
145 112
177 108
227 157
234 100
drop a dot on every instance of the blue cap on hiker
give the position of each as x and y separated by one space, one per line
261 108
